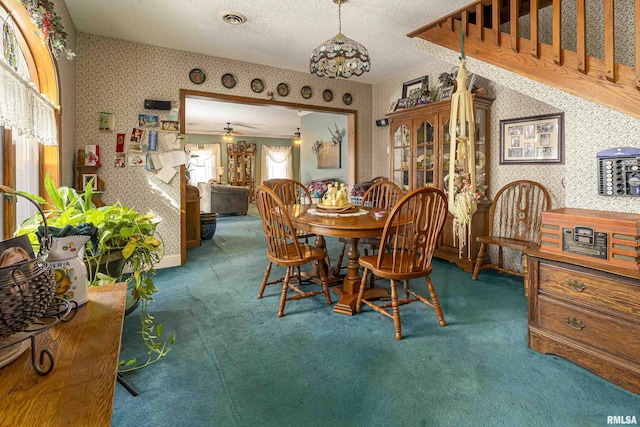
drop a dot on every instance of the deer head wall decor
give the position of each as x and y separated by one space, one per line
336 138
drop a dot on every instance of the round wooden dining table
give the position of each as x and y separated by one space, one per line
351 228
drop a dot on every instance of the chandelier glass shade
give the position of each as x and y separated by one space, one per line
340 56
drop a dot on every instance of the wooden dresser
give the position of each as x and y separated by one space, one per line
587 312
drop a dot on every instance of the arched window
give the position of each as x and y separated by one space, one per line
29 113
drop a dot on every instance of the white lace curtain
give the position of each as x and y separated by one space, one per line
203 162
24 109
277 162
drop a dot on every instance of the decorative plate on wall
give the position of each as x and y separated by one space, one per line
197 76
283 89
257 85
327 95
347 99
228 81
306 92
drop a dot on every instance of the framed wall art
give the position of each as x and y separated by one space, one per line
411 85
87 177
537 139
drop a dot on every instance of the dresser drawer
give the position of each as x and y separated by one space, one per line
591 290
607 333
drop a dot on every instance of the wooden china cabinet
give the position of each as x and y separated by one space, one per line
419 156
240 168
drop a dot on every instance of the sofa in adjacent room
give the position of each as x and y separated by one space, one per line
223 199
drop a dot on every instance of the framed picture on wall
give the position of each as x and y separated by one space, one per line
419 83
87 177
537 139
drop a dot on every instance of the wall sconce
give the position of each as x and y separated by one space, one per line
296 139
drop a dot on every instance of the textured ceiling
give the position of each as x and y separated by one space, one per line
278 33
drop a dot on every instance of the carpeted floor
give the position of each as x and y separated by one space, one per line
236 364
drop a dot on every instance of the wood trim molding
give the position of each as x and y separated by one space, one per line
352 141
47 77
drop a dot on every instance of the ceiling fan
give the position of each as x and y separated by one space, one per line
228 132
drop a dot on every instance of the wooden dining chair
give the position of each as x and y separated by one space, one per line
408 240
515 219
284 248
291 192
383 194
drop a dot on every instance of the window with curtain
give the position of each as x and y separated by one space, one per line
277 162
27 116
203 163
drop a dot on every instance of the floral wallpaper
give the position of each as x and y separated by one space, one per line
117 76
589 128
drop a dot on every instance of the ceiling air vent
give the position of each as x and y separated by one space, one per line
234 18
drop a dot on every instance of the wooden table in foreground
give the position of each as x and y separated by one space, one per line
352 228
80 389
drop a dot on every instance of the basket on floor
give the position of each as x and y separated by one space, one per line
27 287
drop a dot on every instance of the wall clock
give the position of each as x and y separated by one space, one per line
283 89
228 81
327 95
347 99
257 85
306 92
197 76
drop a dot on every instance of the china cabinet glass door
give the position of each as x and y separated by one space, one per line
425 153
401 156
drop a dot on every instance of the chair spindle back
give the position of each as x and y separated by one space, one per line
382 195
279 231
516 212
293 192
412 230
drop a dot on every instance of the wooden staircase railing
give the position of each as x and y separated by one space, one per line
600 80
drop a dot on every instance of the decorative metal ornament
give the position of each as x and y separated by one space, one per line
339 56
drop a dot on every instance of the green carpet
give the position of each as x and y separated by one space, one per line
236 364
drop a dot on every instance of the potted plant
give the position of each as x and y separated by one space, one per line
127 240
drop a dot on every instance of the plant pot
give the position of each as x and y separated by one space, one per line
111 264
208 223
65 259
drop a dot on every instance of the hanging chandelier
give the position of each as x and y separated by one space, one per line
339 56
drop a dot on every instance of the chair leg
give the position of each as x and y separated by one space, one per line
396 310
299 275
525 271
264 280
476 268
500 257
285 287
406 288
325 285
436 303
363 284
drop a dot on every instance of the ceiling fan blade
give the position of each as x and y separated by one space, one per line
243 125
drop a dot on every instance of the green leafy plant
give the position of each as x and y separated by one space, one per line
120 230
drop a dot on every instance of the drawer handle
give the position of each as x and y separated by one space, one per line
576 285
575 324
